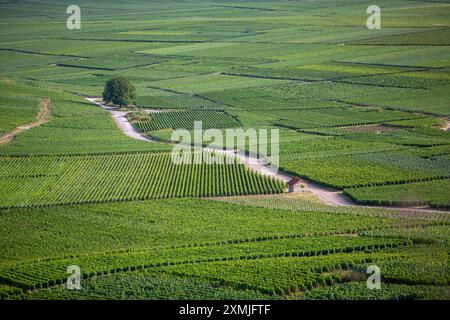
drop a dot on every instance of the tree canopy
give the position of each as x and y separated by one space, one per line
119 91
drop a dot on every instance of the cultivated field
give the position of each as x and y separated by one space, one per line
362 115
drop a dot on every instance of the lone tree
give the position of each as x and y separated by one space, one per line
119 91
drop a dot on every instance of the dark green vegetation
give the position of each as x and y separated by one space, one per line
185 120
350 291
75 127
18 105
147 285
185 248
358 110
433 193
119 91
37 181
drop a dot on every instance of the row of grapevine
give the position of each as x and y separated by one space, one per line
347 172
290 124
147 284
185 120
51 272
95 179
437 233
424 192
282 275
358 291
419 265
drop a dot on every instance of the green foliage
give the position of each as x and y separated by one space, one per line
308 203
137 285
139 116
185 120
119 91
19 104
43 273
359 291
425 266
36 181
282 275
108 227
76 127
348 171
8 292
434 193
357 110
431 234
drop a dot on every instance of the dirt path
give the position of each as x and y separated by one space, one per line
45 107
326 195
122 121
329 196
120 117
446 126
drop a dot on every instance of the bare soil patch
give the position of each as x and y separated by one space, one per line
45 107
446 126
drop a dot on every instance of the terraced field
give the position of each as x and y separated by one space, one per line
361 114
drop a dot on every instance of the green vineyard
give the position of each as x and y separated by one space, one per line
185 120
47 273
433 193
358 118
140 285
39 181
246 254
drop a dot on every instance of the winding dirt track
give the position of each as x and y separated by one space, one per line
45 107
120 117
326 195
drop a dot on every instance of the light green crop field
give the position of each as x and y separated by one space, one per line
362 115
